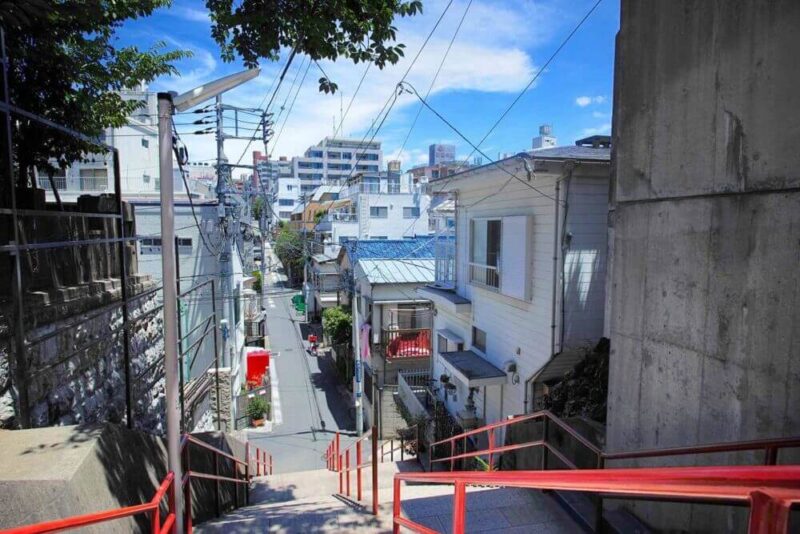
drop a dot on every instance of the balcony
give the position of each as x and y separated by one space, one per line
487 276
406 343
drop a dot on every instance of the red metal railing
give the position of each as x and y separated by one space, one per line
549 422
152 508
338 460
263 461
769 491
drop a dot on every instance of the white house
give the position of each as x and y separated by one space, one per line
525 280
383 277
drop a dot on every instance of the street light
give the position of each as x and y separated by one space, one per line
167 105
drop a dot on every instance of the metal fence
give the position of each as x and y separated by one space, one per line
56 251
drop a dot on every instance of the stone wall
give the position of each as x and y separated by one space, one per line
76 368
705 284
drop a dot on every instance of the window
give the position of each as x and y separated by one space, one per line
347 155
94 179
379 237
146 143
446 343
146 178
184 241
150 245
285 202
378 212
485 252
344 238
284 214
499 254
410 213
314 153
479 339
289 187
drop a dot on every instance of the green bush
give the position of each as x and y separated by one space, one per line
257 408
337 324
257 283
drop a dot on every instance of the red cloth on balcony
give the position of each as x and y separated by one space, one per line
410 345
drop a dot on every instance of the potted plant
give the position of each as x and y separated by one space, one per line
257 409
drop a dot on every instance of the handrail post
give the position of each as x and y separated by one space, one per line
216 486
270 463
459 507
491 449
375 471
235 484
391 451
341 475
402 448
544 442
771 456
246 473
187 495
599 522
452 453
258 462
396 507
347 470
337 447
358 470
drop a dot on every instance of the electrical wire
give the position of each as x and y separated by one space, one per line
286 118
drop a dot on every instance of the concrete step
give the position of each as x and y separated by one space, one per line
304 502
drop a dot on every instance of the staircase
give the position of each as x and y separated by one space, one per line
306 502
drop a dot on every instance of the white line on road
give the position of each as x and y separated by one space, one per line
277 414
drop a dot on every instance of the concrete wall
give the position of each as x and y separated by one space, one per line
705 284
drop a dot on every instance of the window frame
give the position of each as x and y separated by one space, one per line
473 342
386 208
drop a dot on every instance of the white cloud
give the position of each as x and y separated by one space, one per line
601 115
191 14
584 101
489 55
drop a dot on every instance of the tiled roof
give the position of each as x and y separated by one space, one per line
390 249
573 152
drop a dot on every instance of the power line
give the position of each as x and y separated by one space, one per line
435 77
286 118
535 77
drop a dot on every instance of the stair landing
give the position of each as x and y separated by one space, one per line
303 502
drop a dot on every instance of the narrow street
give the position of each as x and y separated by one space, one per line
311 407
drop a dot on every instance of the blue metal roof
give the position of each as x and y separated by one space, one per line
390 249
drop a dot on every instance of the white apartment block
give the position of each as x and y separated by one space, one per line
525 279
383 206
332 161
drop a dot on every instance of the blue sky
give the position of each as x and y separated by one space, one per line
499 48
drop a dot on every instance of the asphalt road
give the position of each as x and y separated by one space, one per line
311 407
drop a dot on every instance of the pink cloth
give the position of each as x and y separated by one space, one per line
364 340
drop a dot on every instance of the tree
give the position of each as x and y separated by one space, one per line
359 30
65 65
289 248
257 208
337 324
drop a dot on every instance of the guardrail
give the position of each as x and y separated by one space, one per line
167 487
401 439
338 460
152 508
769 491
549 421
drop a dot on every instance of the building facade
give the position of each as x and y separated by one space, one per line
524 281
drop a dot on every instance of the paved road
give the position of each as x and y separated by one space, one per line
307 387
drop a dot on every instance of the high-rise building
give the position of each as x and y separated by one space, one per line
439 153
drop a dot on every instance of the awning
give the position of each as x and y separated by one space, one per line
559 365
472 369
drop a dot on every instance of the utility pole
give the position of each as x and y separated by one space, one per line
225 257
359 370
170 293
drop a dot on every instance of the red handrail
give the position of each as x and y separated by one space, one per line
770 491
152 507
167 486
338 460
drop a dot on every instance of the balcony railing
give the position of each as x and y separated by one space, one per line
406 343
484 275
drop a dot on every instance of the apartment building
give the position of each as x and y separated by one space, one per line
332 161
384 205
525 279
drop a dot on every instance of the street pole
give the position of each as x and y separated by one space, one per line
170 293
359 372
